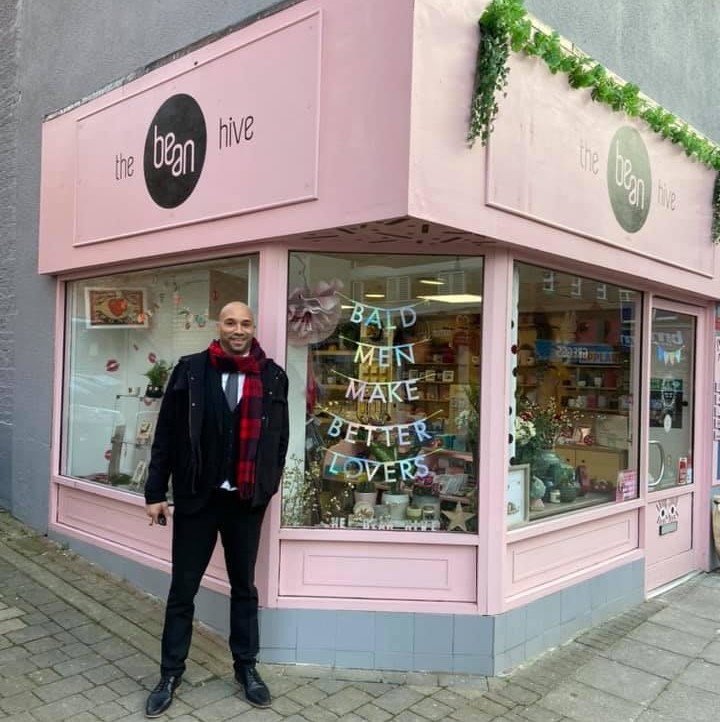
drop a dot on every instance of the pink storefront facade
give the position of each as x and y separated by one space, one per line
441 311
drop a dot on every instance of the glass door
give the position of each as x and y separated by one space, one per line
672 371
671 530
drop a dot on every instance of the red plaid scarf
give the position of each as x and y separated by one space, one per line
250 409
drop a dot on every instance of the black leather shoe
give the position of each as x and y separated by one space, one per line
162 696
256 691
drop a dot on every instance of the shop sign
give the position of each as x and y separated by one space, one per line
581 168
575 353
231 133
175 148
629 179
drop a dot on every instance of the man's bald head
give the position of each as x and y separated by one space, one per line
236 328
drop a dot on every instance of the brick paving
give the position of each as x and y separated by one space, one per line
78 644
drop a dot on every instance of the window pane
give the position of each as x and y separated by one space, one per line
121 329
575 373
383 359
672 368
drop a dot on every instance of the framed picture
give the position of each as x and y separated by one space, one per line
448 376
517 494
116 308
138 477
144 431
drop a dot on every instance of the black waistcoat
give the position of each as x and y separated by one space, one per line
219 440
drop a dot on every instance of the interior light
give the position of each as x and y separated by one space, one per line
431 282
374 295
453 298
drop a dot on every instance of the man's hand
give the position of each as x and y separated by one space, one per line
158 513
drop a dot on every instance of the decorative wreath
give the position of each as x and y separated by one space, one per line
313 315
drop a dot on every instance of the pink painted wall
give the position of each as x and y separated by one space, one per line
328 144
370 150
534 186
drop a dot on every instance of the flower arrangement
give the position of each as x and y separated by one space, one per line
540 425
425 486
299 492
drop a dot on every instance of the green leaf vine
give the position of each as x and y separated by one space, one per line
505 26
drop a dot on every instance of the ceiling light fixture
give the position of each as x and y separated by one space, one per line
454 298
431 282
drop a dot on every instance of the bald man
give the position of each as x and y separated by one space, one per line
221 437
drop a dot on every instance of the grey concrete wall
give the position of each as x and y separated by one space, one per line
9 97
667 47
66 52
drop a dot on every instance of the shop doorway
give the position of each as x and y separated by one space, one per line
671 515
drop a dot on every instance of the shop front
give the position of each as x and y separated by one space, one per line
500 359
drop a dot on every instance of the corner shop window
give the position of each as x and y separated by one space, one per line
120 330
383 359
575 373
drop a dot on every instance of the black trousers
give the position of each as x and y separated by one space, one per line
194 538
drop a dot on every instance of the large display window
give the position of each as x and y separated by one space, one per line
383 358
575 373
124 334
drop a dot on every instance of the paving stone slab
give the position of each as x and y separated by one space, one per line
397 700
665 638
688 622
582 703
62 709
346 700
623 681
315 713
373 713
642 656
432 709
470 714
682 702
11 625
222 709
702 675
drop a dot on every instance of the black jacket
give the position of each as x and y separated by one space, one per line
177 451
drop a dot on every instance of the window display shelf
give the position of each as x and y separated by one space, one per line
582 502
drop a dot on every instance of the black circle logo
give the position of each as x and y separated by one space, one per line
175 151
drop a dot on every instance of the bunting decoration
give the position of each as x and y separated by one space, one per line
669 358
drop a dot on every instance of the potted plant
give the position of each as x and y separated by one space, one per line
426 495
364 490
395 496
157 375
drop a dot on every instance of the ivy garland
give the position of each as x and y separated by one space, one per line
505 25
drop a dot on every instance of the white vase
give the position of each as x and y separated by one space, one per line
368 496
397 503
427 502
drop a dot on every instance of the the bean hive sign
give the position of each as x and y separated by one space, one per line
175 151
629 179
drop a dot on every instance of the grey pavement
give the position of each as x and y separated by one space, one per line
79 644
